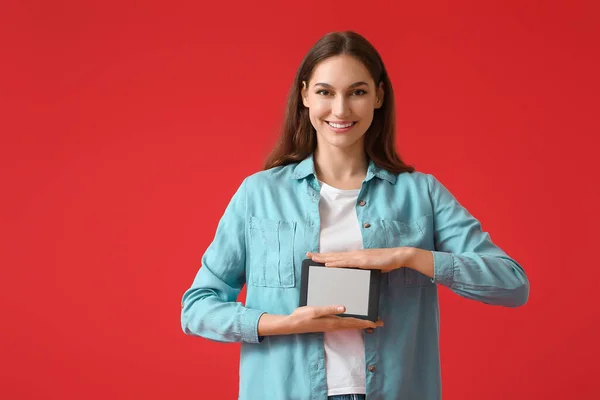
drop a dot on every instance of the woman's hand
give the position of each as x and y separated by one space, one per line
324 319
308 319
386 259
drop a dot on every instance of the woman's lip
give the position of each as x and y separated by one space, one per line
341 130
341 122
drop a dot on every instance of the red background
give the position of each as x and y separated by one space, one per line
126 127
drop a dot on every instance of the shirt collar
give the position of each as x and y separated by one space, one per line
307 167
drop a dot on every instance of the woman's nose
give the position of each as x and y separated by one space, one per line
341 107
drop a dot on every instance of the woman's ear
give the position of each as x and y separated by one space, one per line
380 96
304 94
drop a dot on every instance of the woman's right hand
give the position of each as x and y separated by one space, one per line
308 319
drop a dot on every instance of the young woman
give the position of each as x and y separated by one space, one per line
335 190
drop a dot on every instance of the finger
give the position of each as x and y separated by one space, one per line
329 253
324 257
360 323
317 255
331 256
338 264
347 264
376 324
329 310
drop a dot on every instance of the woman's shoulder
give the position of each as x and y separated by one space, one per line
418 178
418 183
272 176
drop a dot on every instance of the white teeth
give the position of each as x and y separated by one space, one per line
339 126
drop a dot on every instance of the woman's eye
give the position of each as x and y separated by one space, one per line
358 92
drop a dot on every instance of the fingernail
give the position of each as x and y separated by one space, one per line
340 308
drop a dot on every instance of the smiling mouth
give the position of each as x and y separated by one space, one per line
341 126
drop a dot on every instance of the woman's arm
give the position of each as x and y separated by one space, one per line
465 259
209 307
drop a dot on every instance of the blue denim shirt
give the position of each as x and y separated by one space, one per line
261 240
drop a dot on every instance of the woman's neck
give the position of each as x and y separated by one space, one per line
341 168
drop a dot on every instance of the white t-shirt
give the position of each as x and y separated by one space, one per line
345 349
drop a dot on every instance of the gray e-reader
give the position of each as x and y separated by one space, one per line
356 289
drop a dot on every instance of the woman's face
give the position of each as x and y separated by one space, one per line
341 98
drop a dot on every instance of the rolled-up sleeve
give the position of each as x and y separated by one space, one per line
466 260
209 307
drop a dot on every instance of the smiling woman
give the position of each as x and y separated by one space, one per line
337 106
335 190
342 79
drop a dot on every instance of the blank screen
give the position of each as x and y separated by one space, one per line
331 286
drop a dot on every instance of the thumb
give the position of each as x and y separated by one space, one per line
330 310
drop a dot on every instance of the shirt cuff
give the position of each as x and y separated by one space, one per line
249 325
443 268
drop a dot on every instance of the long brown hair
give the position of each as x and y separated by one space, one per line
298 137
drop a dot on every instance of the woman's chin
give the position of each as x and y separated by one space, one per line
339 141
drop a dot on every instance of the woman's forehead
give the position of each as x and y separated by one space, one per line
340 71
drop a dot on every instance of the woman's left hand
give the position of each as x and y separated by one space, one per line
386 259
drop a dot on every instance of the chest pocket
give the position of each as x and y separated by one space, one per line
419 234
271 253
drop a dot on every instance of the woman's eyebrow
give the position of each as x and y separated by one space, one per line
327 85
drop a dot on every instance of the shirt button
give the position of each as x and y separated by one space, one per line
370 330
371 368
367 225
362 203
